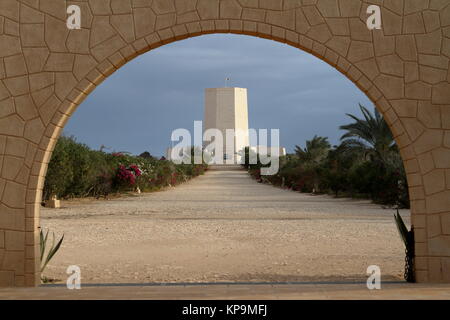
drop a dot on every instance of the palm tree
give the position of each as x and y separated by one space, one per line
315 151
313 155
370 136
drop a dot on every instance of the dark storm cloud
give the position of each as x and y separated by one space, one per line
137 108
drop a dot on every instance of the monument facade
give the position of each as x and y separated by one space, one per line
227 109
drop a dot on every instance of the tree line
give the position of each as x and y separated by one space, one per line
366 164
75 170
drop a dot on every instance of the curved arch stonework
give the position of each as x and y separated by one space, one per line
46 70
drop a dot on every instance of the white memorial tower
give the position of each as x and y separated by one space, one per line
227 108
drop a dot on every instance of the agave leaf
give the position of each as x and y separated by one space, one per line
46 260
53 243
51 252
399 223
41 238
43 243
401 227
55 249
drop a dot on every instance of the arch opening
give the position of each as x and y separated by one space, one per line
46 71
292 277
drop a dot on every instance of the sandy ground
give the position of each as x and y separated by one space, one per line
224 226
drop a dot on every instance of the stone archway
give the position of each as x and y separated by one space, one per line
46 70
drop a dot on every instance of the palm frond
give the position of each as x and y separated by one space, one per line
372 130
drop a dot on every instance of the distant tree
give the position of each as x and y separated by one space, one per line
315 152
369 136
380 173
311 158
146 155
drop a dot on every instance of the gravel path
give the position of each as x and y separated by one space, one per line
224 226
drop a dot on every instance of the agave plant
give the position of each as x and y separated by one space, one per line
47 255
408 240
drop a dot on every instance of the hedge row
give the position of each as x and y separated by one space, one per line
75 170
384 183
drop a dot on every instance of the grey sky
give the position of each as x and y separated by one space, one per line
137 108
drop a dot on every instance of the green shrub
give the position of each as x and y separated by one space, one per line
77 171
383 182
367 163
